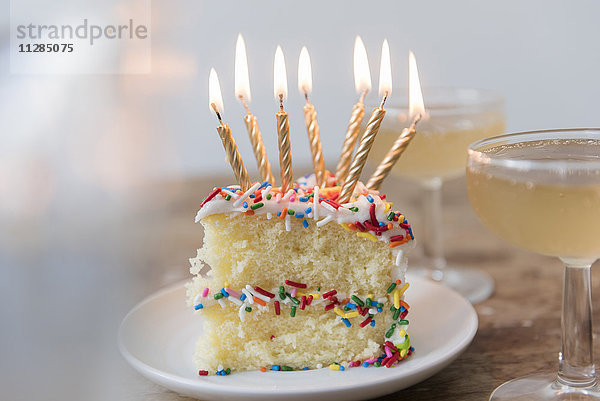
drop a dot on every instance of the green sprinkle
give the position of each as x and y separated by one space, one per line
371 315
286 368
312 194
228 197
294 299
354 209
291 212
357 300
393 308
346 309
269 196
403 322
293 311
319 288
396 314
368 302
218 296
248 309
377 364
391 216
380 305
228 371
257 205
391 288
389 333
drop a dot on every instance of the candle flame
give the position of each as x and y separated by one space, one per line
415 96
279 75
242 81
304 72
362 73
215 100
385 71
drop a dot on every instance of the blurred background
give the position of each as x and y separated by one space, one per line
94 167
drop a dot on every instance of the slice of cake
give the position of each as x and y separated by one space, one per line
298 281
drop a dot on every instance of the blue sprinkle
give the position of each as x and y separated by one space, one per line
278 214
372 323
252 196
350 305
346 322
365 364
305 368
381 224
305 223
303 199
379 310
410 231
402 309
245 204
308 210
275 367
243 297
199 306
225 293
342 368
412 349
380 359
370 198
299 215
264 185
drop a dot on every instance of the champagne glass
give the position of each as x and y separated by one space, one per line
454 118
540 190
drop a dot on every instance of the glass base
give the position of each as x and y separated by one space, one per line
543 386
473 284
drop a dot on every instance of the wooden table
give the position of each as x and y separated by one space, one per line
519 326
76 270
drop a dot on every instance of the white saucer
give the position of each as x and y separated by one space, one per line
157 338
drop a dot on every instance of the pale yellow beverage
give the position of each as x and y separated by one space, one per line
438 149
551 206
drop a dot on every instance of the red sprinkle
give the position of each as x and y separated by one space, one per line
264 292
403 314
361 228
272 337
365 311
372 213
203 372
393 359
330 306
277 310
365 322
295 284
303 302
397 238
404 225
258 198
309 300
332 203
209 197
390 346
385 360
329 294
382 196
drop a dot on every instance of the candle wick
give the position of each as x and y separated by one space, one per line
281 102
306 97
361 99
214 107
244 104
383 100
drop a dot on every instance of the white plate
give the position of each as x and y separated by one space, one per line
157 338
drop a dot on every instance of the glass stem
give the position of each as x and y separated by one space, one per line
576 360
433 245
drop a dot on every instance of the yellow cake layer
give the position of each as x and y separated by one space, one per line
309 338
254 250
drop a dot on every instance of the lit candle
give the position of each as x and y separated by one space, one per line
385 88
283 126
362 83
416 110
310 117
215 104
242 91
